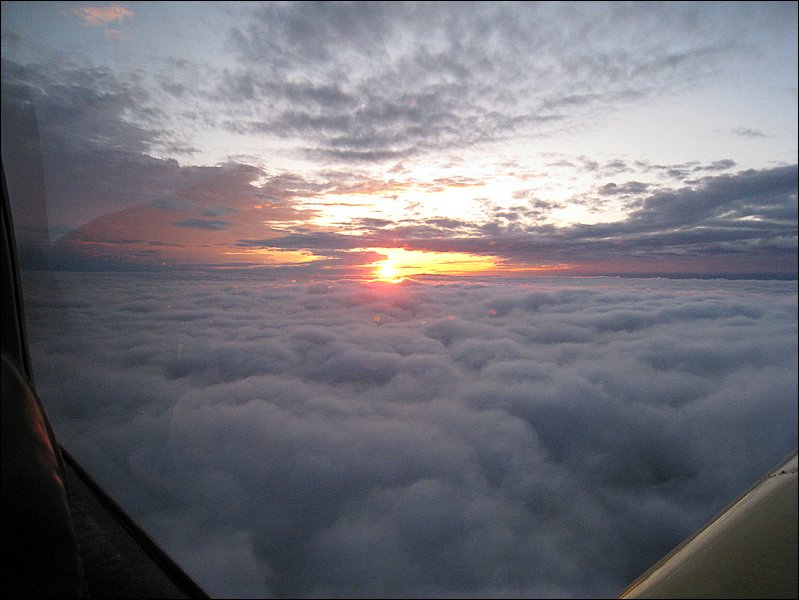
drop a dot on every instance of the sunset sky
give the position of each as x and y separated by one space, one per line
371 139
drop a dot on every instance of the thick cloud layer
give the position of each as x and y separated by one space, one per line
548 437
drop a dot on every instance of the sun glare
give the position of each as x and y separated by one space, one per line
400 264
387 271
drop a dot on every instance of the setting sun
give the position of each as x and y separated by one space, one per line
400 263
386 271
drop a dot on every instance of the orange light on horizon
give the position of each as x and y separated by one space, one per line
274 256
400 263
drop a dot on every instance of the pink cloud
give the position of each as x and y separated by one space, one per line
99 16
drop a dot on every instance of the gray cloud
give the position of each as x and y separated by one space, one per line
719 165
682 171
741 223
544 438
748 133
614 167
383 81
746 194
314 241
630 188
64 120
203 224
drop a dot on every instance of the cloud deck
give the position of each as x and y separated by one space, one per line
542 438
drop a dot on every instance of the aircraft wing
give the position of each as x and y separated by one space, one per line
749 550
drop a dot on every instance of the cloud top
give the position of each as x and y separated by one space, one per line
546 438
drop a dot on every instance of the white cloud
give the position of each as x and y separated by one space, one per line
552 437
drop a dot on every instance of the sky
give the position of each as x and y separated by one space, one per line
483 437
390 140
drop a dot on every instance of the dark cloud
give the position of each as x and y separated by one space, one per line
69 140
70 120
78 107
683 171
631 188
725 197
532 438
320 240
537 205
357 156
448 223
718 165
370 223
741 223
203 224
614 167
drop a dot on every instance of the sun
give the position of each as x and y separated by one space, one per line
387 271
